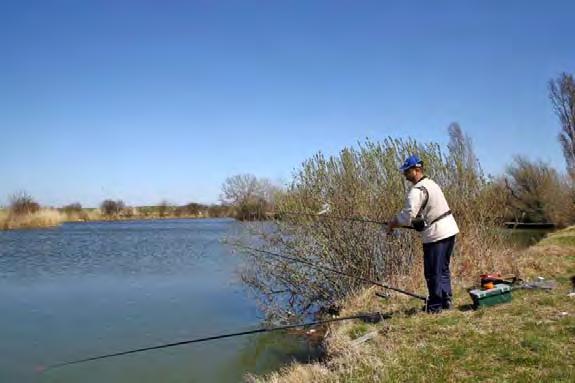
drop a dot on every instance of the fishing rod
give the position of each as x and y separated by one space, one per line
335 217
368 317
376 283
340 218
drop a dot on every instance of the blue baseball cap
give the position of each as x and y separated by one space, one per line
412 161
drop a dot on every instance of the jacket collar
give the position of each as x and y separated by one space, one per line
421 179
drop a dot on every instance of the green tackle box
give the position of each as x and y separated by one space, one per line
500 293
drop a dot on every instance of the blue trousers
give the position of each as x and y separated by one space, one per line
436 257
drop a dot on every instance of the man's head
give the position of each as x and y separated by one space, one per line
412 168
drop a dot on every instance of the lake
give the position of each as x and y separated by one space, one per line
86 289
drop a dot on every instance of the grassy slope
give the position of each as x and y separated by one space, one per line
531 339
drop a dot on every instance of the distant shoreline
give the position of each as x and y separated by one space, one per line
51 218
142 218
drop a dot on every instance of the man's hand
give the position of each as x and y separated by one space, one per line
392 224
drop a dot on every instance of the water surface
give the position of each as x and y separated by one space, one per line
524 238
86 289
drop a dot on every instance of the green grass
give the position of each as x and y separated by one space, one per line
358 330
526 340
560 240
565 237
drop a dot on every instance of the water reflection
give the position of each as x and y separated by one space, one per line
524 238
273 349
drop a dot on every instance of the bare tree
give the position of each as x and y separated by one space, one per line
239 189
464 163
461 151
164 208
112 208
22 203
250 197
562 95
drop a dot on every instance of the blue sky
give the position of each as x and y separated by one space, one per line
146 100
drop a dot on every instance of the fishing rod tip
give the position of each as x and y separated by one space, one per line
324 209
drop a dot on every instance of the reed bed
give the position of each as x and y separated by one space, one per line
39 219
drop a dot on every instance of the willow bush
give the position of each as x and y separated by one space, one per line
538 193
364 181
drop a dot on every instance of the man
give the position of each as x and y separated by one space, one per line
426 210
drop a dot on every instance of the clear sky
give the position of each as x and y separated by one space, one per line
146 100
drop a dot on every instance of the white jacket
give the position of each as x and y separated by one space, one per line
436 206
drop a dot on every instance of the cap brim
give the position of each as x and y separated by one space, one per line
404 168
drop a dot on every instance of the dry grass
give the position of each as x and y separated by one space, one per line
530 339
39 219
128 213
84 215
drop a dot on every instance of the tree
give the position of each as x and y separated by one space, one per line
461 154
464 184
464 164
250 197
217 211
194 208
537 193
74 211
239 189
73 208
562 95
22 203
164 208
112 208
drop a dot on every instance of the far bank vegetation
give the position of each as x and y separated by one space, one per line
23 212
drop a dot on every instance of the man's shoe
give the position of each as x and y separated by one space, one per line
434 309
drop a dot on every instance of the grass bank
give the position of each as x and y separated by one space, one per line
39 219
531 339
